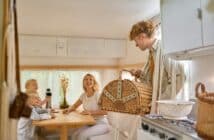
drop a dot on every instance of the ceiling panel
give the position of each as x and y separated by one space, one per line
83 18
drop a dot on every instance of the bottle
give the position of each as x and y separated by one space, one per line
48 96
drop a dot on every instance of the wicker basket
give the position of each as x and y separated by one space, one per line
205 115
127 97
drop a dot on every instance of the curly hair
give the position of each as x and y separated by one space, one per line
146 27
95 87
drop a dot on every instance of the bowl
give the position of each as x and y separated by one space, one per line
174 109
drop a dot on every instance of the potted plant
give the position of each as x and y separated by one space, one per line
64 81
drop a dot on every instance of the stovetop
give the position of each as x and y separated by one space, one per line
185 125
181 128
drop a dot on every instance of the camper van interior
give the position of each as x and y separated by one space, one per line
62 51
77 37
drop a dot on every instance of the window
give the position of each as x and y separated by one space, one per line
51 79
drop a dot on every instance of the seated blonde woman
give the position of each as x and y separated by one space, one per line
89 100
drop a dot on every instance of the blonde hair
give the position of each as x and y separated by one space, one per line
95 87
29 81
146 27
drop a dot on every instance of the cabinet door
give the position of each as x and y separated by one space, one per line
208 21
37 46
181 25
96 48
115 48
85 47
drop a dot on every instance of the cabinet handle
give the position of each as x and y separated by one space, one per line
199 13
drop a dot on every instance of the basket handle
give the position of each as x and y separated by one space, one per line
120 74
203 89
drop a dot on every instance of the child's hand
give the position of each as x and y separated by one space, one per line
37 102
47 98
33 101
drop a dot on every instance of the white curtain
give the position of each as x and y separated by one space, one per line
51 79
179 75
184 94
8 126
11 79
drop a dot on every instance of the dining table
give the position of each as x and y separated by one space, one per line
63 122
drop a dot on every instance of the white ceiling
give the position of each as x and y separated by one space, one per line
83 18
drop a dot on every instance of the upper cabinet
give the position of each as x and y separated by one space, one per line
186 24
96 48
207 7
85 47
49 46
37 46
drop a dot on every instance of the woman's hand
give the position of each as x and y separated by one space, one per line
65 111
70 109
54 111
85 112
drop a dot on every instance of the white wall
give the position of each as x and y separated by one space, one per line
202 69
134 55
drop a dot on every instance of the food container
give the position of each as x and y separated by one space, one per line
174 109
205 113
126 96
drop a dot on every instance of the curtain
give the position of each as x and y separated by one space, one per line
11 79
3 13
178 72
2 59
9 70
184 94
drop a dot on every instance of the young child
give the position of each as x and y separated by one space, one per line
31 87
25 129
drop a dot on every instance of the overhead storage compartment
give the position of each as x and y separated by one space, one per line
72 47
37 46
